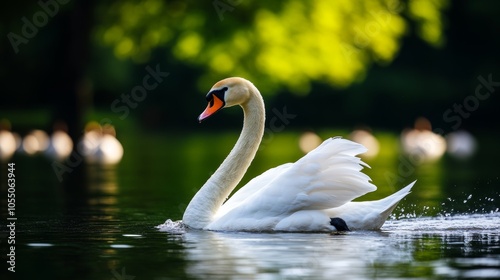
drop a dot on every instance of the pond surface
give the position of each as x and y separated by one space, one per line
109 223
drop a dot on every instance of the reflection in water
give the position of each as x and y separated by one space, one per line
92 187
421 247
103 187
288 255
92 207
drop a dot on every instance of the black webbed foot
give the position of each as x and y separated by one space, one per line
339 224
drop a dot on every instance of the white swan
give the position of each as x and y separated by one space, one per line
99 144
312 194
7 145
421 143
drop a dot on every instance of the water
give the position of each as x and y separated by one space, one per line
101 223
455 247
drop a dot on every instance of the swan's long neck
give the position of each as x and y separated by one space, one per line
216 190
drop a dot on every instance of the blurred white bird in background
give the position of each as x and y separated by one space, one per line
7 141
365 138
461 144
99 144
35 142
60 144
421 143
309 141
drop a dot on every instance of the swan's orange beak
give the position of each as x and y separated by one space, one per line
214 105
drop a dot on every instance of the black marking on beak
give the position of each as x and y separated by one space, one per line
216 102
220 93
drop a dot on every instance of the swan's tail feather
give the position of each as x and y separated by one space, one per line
370 215
397 196
390 202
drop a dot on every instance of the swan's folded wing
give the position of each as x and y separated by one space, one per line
252 187
327 177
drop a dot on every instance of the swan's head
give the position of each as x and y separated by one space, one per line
226 93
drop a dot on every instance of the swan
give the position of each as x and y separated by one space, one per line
60 146
60 143
311 195
99 144
422 143
7 145
35 142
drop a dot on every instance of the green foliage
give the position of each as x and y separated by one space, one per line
427 14
288 44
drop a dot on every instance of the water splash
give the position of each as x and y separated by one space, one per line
449 207
468 198
454 223
175 227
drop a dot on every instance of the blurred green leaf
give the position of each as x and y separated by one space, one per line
289 45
